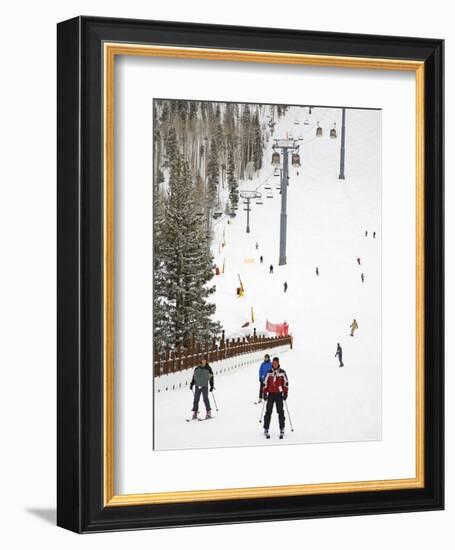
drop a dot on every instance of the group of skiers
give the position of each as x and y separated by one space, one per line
273 389
354 325
261 260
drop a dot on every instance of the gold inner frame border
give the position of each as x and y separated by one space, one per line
110 51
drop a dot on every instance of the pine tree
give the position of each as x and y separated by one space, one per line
232 181
188 262
172 152
213 173
245 143
162 326
258 143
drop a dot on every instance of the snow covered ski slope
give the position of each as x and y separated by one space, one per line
327 219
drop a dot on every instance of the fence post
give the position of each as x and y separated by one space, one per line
167 355
156 364
179 357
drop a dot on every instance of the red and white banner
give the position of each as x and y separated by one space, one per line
280 329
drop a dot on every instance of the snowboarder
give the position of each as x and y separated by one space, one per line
285 286
265 367
271 269
202 380
366 232
261 259
354 326
257 246
362 276
358 261
339 354
317 271
275 392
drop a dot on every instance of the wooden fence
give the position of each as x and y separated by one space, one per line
187 358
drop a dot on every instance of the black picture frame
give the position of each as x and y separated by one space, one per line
80 473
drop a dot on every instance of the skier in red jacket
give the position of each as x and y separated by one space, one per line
275 393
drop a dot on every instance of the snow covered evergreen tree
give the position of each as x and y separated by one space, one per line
232 181
162 326
188 263
213 172
258 143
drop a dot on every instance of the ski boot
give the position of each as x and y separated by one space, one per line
281 434
208 415
194 417
266 433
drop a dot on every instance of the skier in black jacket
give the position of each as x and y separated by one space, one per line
202 380
339 354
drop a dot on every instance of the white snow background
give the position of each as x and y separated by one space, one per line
327 219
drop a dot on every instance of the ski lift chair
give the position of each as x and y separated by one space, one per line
276 161
333 131
295 160
318 131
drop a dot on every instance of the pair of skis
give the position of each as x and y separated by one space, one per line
200 419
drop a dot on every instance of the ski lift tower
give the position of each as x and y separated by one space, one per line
284 146
248 196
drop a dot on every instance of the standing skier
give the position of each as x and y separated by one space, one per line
339 354
271 269
202 380
275 392
362 276
265 367
285 286
354 326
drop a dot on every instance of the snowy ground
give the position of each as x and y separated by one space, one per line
327 219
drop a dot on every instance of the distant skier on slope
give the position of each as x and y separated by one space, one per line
261 259
271 269
285 286
374 234
275 392
265 367
202 380
354 326
362 276
339 354
317 271
257 246
366 232
358 261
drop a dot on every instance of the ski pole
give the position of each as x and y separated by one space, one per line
214 400
262 412
289 416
